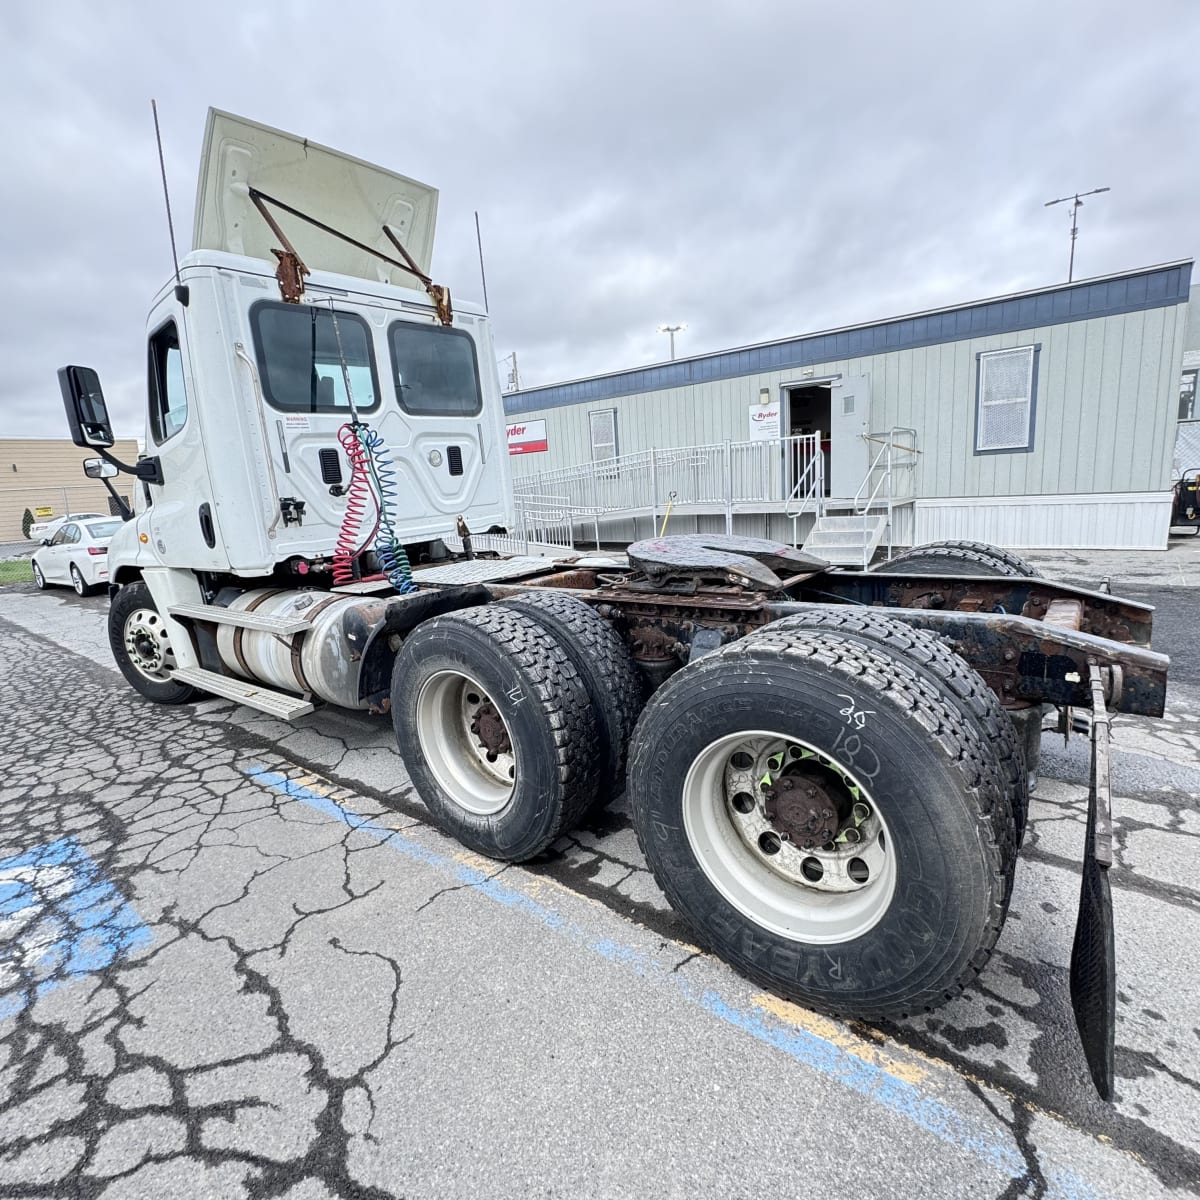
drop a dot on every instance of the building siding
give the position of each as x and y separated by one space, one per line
1102 420
48 473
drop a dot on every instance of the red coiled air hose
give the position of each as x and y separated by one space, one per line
347 548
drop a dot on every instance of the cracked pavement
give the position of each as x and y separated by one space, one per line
235 959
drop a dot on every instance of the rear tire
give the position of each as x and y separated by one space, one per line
77 582
958 558
957 681
142 648
607 669
496 729
842 711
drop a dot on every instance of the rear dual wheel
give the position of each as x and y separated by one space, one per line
958 558
825 820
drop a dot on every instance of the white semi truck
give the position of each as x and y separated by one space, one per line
827 769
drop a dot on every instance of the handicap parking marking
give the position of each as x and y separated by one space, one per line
60 918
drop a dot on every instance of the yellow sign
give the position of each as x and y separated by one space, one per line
43 512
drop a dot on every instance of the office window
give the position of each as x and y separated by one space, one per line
1004 400
602 425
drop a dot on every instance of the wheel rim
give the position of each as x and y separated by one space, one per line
148 645
748 841
38 577
77 580
466 743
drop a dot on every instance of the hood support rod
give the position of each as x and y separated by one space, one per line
292 269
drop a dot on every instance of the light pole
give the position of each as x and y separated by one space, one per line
672 330
1076 204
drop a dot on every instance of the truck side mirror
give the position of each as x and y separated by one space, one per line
87 414
97 468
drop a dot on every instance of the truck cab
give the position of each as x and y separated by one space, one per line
249 387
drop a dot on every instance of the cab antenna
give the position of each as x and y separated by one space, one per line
181 293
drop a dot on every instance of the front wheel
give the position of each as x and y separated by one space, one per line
818 813
39 580
142 646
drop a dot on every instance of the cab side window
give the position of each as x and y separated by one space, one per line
168 398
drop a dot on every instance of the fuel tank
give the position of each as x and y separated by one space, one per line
322 661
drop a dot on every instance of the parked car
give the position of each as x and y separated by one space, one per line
76 555
47 529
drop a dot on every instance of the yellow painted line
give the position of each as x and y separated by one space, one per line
843 1038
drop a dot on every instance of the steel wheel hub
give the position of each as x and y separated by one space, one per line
789 836
466 742
148 644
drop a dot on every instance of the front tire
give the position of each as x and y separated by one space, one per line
39 580
855 730
142 647
496 729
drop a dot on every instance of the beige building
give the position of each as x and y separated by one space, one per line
45 476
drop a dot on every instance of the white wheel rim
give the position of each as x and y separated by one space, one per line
148 645
475 776
38 577
773 890
77 580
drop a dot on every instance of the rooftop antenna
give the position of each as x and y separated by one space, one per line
1076 203
181 293
482 275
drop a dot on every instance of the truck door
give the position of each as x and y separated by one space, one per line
181 510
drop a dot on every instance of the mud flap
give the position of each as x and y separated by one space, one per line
1093 956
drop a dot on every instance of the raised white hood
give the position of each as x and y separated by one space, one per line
346 193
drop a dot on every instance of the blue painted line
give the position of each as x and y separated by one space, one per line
867 1079
61 919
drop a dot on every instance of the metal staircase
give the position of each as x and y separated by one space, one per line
850 539
847 541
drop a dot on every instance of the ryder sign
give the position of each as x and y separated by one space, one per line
527 437
764 422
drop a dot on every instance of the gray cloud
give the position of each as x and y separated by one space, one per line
754 169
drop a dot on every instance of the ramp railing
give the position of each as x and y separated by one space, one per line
718 478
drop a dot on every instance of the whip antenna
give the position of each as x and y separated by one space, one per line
181 293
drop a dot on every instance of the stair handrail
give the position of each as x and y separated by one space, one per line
889 444
812 480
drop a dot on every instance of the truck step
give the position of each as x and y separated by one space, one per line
246 620
253 695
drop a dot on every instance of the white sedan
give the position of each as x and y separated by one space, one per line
47 529
76 555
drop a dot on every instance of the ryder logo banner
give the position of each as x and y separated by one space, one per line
527 437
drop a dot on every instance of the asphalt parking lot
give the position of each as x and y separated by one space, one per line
236 960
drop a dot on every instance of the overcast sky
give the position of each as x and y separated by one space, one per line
754 169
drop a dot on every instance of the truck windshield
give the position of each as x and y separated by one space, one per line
300 359
435 370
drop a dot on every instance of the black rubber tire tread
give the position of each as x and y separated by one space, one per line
81 588
930 655
537 662
959 558
606 666
132 596
935 723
